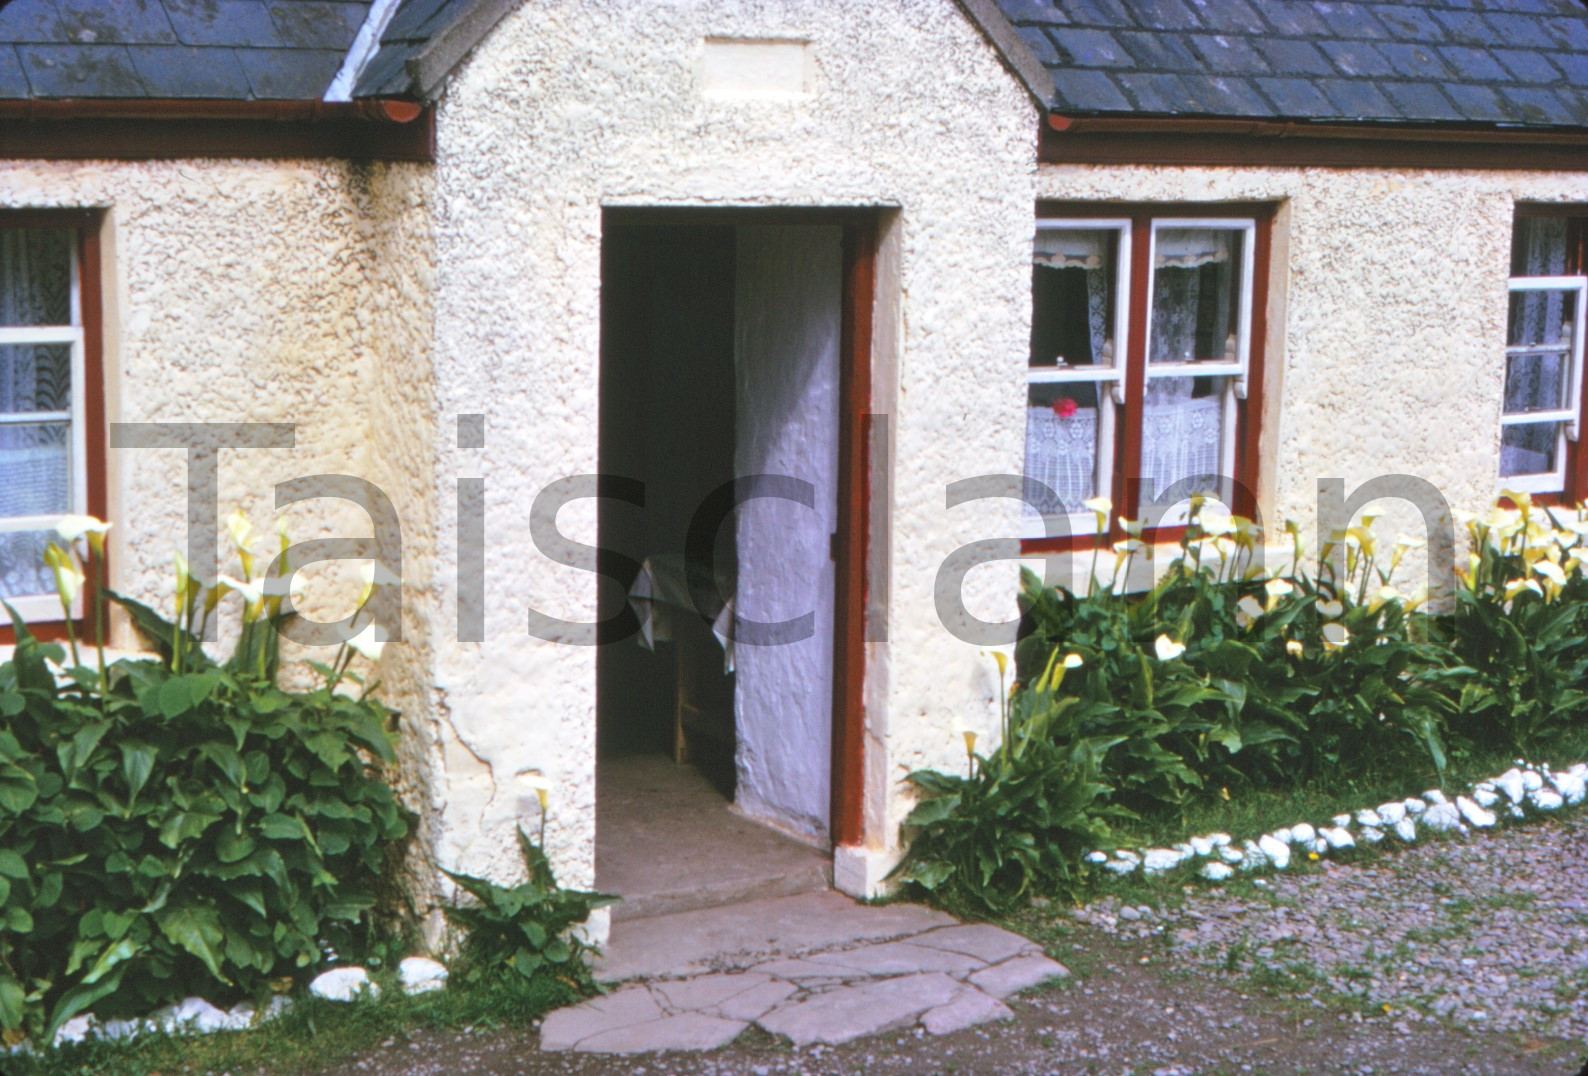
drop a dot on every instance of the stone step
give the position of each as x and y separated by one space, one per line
804 873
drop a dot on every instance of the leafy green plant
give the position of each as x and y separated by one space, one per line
518 933
180 826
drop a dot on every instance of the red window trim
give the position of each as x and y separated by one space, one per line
1575 482
1124 487
86 223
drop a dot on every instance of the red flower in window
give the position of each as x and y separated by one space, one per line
1064 407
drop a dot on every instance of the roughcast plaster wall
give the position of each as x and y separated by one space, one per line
787 314
570 106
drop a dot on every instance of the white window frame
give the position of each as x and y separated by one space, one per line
37 608
1083 523
1553 481
1236 372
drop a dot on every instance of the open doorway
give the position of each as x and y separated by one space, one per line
722 358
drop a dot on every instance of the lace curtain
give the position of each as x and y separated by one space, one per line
1536 381
1193 282
35 290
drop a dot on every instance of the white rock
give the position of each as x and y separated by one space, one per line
1441 818
1128 856
1532 781
121 1028
76 1029
1158 860
1253 857
1485 796
343 984
420 975
191 1014
1096 857
1406 829
1414 806
1435 798
1371 834
1339 837
1475 814
1389 814
1340 821
1231 854
1303 834
1201 846
1216 872
1281 835
1122 866
1219 840
1277 851
1320 845
1510 782
1367 817
1545 799
1572 788
1515 811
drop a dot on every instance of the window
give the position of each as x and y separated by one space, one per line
51 404
1145 350
1542 403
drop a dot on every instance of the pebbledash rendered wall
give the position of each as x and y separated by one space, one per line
1388 306
569 107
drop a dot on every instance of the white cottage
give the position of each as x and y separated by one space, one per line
794 278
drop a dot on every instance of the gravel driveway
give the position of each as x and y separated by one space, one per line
1465 955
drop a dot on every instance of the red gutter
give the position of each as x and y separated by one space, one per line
119 129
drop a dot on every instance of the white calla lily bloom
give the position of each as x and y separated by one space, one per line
1167 649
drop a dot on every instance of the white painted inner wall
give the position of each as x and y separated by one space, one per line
786 328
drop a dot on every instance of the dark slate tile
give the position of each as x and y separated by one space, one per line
1162 14
1542 106
223 22
1089 91
1579 97
13 82
1409 23
1089 48
1357 98
1036 39
1357 58
1047 11
1481 104
1568 33
1227 96
1231 54
387 74
1421 101
1465 28
1519 31
1474 65
418 19
1574 64
94 22
1229 16
1293 57
1527 66
1353 19
1413 61
1297 18
1295 96
317 24
189 71
80 71
289 74
1098 13
1159 93
1158 52
30 20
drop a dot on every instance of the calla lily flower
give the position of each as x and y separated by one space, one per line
1251 607
1335 635
1132 527
1001 660
1167 649
1517 586
69 577
242 535
1330 609
1129 545
366 645
1551 571
1294 648
542 786
1102 508
1073 661
72 529
252 593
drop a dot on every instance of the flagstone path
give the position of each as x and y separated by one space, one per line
814 968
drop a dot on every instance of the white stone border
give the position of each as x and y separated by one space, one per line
1522 788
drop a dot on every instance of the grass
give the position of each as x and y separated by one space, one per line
313 1036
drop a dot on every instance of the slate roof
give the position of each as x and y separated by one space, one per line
226 49
1519 63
